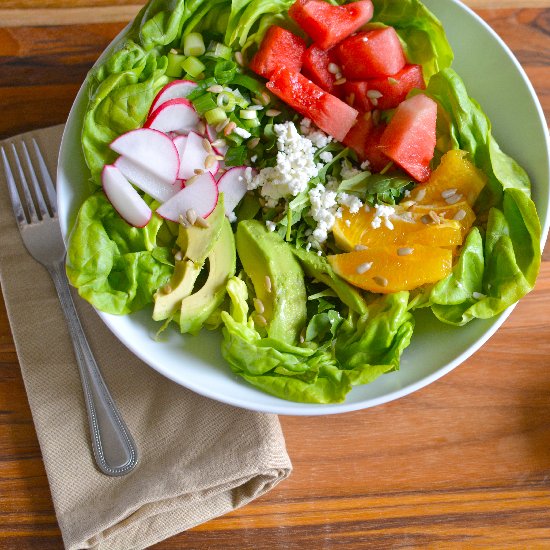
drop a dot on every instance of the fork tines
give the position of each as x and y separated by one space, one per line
31 203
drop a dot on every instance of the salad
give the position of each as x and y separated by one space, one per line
301 176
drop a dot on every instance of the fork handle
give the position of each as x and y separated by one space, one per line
113 446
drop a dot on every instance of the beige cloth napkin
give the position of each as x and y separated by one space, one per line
198 458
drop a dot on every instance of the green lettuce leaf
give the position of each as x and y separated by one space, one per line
114 266
497 270
422 34
363 349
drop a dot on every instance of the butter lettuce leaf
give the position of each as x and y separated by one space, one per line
114 266
499 265
357 351
422 34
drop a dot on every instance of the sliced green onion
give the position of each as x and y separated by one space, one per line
217 50
224 71
193 66
204 103
215 116
174 68
248 114
249 83
193 44
251 123
226 101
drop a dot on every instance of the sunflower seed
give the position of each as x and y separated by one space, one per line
201 222
453 199
382 281
460 215
259 305
206 145
420 195
260 320
448 193
363 268
191 215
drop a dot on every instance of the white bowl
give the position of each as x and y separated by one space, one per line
494 77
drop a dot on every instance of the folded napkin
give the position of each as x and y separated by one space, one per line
198 458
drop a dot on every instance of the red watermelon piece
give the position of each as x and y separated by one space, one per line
326 111
371 54
409 139
279 48
327 24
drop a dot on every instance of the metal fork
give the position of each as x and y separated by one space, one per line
35 209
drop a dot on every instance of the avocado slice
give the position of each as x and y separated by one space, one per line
196 308
277 277
181 284
196 241
319 268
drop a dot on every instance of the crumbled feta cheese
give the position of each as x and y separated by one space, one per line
348 223
353 203
326 156
365 165
295 166
323 211
254 158
382 214
316 136
271 225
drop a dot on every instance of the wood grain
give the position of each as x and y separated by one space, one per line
463 463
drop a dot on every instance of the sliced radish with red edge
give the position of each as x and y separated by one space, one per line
146 180
175 115
201 196
124 198
233 185
151 150
194 157
173 90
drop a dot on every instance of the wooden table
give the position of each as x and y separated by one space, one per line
463 463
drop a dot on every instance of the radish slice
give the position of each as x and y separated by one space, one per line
175 115
213 137
151 150
180 142
124 198
146 180
201 196
173 90
233 185
194 157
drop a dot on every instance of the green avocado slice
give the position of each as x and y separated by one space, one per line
181 285
277 277
196 308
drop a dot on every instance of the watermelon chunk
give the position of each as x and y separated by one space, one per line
394 89
329 113
364 139
409 139
279 48
371 54
327 24
315 67
355 93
